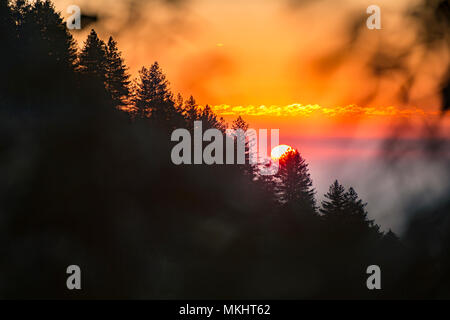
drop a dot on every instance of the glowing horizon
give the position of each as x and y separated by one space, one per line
298 109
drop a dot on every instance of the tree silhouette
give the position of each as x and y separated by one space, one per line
334 207
40 52
179 102
294 187
345 212
191 112
210 120
152 96
117 78
41 30
93 60
248 169
357 219
240 123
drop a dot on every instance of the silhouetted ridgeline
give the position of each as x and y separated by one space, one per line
86 183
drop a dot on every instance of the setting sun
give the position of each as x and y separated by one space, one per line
279 151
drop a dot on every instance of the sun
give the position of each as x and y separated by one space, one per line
279 151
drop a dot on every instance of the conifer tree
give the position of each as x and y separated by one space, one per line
346 211
179 103
294 187
117 78
152 95
209 120
42 53
93 60
335 205
356 214
191 110
59 42
240 124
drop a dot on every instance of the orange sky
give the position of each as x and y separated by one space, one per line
291 67
253 53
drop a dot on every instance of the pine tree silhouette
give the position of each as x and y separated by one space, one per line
59 43
240 123
117 78
179 103
294 185
93 60
345 213
191 112
248 168
152 96
391 238
356 215
334 207
41 52
209 120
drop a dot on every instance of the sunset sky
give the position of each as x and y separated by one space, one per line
294 65
278 60
254 52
